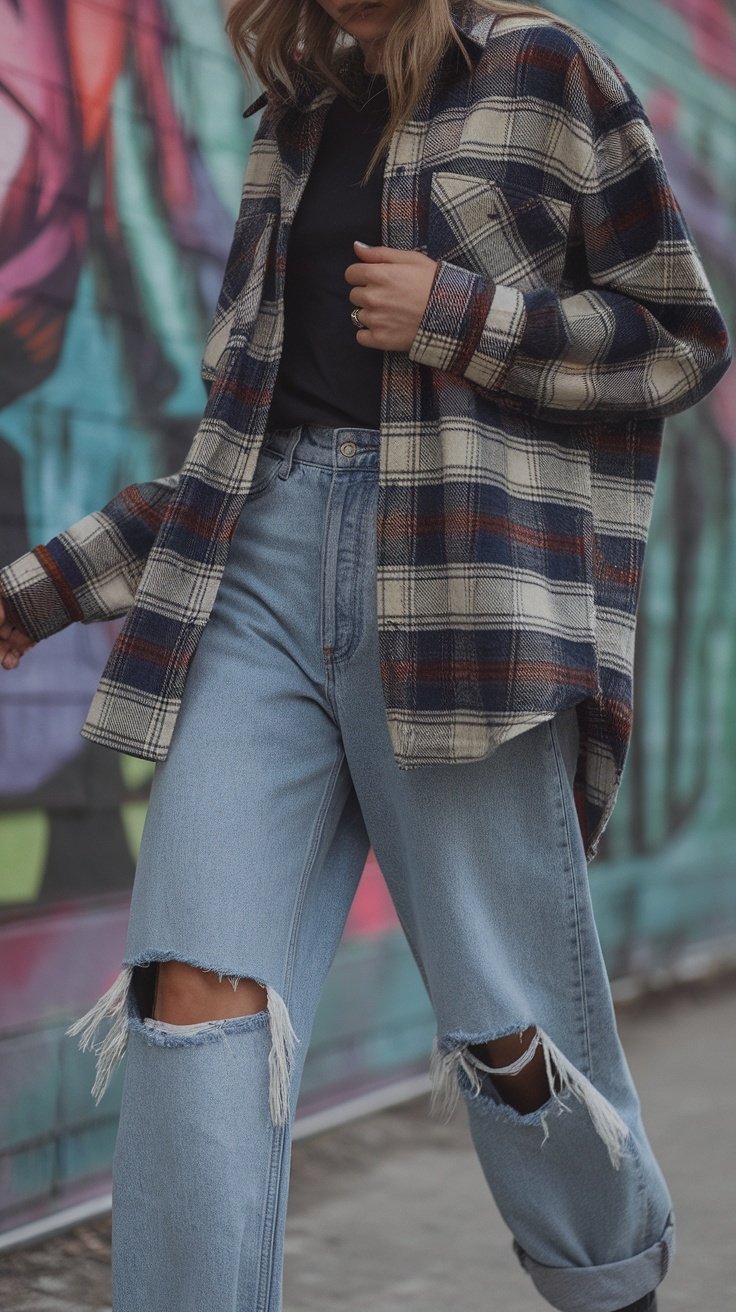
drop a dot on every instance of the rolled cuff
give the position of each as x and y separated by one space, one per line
607 1288
454 317
31 600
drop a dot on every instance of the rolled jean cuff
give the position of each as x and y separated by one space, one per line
606 1288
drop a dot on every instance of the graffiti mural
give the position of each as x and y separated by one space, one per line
667 876
122 148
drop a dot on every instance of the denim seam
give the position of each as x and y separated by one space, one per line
276 1168
633 1155
323 634
270 1212
341 657
327 664
344 657
355 609
584 1001
645 1196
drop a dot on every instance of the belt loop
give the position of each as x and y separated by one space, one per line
288 456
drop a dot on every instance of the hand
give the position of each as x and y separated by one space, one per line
13 642
392 288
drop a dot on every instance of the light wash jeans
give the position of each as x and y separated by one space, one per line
279 777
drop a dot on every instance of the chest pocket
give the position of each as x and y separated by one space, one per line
511 235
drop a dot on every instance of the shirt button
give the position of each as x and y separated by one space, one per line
348 448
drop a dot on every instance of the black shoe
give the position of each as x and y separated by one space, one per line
646 1304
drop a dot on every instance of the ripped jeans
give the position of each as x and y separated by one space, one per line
279 777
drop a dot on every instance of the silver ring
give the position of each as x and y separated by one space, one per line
354 316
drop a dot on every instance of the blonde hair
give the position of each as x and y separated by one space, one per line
268 36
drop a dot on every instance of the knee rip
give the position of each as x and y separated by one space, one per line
120 1006
456 1069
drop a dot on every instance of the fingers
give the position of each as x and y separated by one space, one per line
358 274
11 652
362 298
375 273
16 637
386 254
8 659
363 275
13 644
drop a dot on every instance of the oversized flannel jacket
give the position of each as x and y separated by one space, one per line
520 433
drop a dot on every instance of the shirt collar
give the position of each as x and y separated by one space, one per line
465 20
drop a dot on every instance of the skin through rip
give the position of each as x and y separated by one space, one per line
182 994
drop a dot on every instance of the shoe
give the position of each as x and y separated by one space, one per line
646 1304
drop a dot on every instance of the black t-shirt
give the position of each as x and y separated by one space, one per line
324 376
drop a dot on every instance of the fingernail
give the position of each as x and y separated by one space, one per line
363 243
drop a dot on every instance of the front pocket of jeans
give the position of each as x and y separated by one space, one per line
512 236
267 467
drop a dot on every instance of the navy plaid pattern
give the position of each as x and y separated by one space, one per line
520 433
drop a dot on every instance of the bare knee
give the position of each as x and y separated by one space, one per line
526 1089
184 994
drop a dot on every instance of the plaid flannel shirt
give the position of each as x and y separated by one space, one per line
520 433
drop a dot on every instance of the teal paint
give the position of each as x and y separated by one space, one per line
118 404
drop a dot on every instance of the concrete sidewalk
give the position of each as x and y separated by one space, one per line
391 1213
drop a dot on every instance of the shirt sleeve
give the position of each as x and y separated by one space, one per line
644 336
90 571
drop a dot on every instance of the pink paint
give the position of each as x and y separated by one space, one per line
372 913
150 36
713 29
59 962
722 402
663 106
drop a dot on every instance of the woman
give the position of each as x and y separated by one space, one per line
389 599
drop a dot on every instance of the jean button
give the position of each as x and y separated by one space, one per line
348 448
